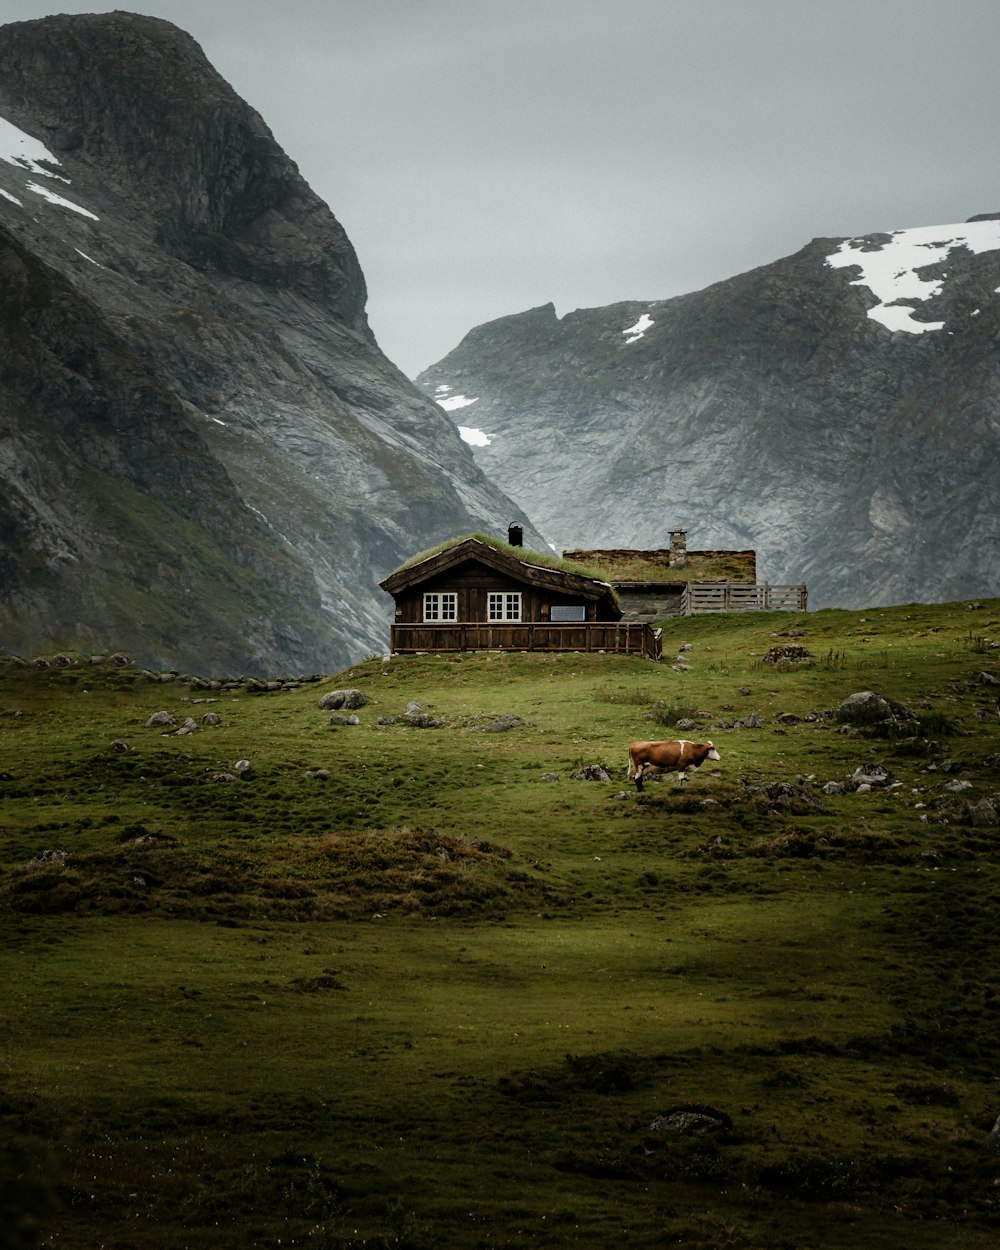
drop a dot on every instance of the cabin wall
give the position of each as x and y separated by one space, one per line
473 587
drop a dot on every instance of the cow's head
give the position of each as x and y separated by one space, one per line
713 754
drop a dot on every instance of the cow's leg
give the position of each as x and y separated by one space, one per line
638 777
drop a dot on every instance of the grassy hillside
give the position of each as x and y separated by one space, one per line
390 986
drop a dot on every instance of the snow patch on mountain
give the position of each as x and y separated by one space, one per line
18 148
639 329
891 270
474 437
51 196
456 401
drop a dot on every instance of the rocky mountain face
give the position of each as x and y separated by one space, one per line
838 411
205 459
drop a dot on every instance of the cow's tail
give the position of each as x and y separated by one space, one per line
630 768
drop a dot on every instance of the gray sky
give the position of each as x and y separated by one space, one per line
487 156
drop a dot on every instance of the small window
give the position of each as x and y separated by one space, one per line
441 606
504 605
568 612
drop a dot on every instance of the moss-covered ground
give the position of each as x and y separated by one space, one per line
425 997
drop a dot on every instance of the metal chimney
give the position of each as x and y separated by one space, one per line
515 535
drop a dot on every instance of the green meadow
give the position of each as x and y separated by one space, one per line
392 986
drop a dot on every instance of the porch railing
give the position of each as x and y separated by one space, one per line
624 637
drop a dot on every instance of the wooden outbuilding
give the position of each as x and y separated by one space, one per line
480 594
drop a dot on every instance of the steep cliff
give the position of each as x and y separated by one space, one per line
206 460
838 411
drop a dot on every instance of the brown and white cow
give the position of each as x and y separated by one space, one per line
677 755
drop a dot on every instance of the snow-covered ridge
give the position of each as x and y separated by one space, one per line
891 270
23 151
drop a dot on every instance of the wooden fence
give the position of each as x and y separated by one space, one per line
742 597
624 637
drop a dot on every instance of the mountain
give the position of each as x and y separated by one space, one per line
206 459
837 410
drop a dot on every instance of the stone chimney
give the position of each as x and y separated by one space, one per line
515 535
678 549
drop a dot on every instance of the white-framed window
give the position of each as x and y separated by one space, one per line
441 605
503 605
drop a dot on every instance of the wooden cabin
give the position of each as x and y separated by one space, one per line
480 594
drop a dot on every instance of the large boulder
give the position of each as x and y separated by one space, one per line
337 699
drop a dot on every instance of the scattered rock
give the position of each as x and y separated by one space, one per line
690 1120
52 856
550 776
873 713
342 699
957 785
787 718
503 723
120 746
211 718
339 718
190 726
590 772
993 1141
243 767
752 721
685 723
386 720
987 679
984 814
872 776
159 719
421 720
834 787
788 653
224 776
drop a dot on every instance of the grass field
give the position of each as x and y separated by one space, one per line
391 987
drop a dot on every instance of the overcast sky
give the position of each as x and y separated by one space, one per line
487 156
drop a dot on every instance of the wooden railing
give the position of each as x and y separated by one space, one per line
742 597
623 637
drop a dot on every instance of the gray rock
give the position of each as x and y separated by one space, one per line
159 719
339 718
422 720
550 776
211 718
872 775
342 699
956 786
984 814
685 723
52 856
993 1141
834 787
590 772
387 720
752 721
318 774
988 679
